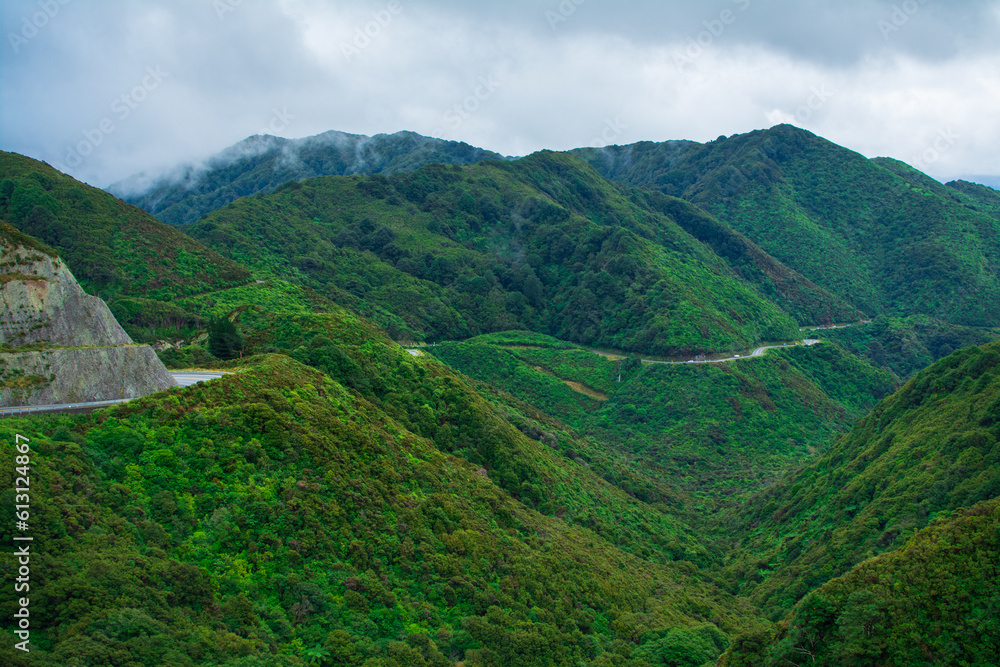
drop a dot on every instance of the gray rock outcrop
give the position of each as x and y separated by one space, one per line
41 302
60 344
81 375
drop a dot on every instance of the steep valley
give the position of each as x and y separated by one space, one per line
441 441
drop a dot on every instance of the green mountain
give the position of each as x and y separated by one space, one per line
111 247
906 345
542 243
714 433
932 602
929 449
820 231
979 197
261 163
876 233
277 511
528 490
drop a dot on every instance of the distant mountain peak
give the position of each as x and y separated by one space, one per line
992 182
262 162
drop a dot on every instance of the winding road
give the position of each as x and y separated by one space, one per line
184 379
756 353
188 378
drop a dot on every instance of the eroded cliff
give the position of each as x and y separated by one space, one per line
59 344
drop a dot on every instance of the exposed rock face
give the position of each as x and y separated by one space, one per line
79 353
81 375
41 302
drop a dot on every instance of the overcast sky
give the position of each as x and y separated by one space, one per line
106 88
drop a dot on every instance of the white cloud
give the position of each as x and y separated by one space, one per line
500 77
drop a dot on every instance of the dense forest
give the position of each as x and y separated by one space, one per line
111 247
477 413
446 253
877 233
262 163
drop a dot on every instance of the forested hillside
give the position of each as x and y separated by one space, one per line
543 244
931 448
932 602
714 432
876 233
276 510
977 196
823 233
261 163
556 481
111 247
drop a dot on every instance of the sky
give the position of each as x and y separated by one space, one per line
103 89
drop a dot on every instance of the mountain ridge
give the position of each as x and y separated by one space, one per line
261 163
553 246
338 499
862 229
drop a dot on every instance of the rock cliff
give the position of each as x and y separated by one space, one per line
59 344
81 375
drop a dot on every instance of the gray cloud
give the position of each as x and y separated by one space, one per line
108 88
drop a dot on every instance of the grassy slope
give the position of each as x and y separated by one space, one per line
275 296
724 430
929 448
543 244
110 246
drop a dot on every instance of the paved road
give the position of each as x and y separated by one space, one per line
188 378
413 348
756 353
184 379
58 407
824 327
